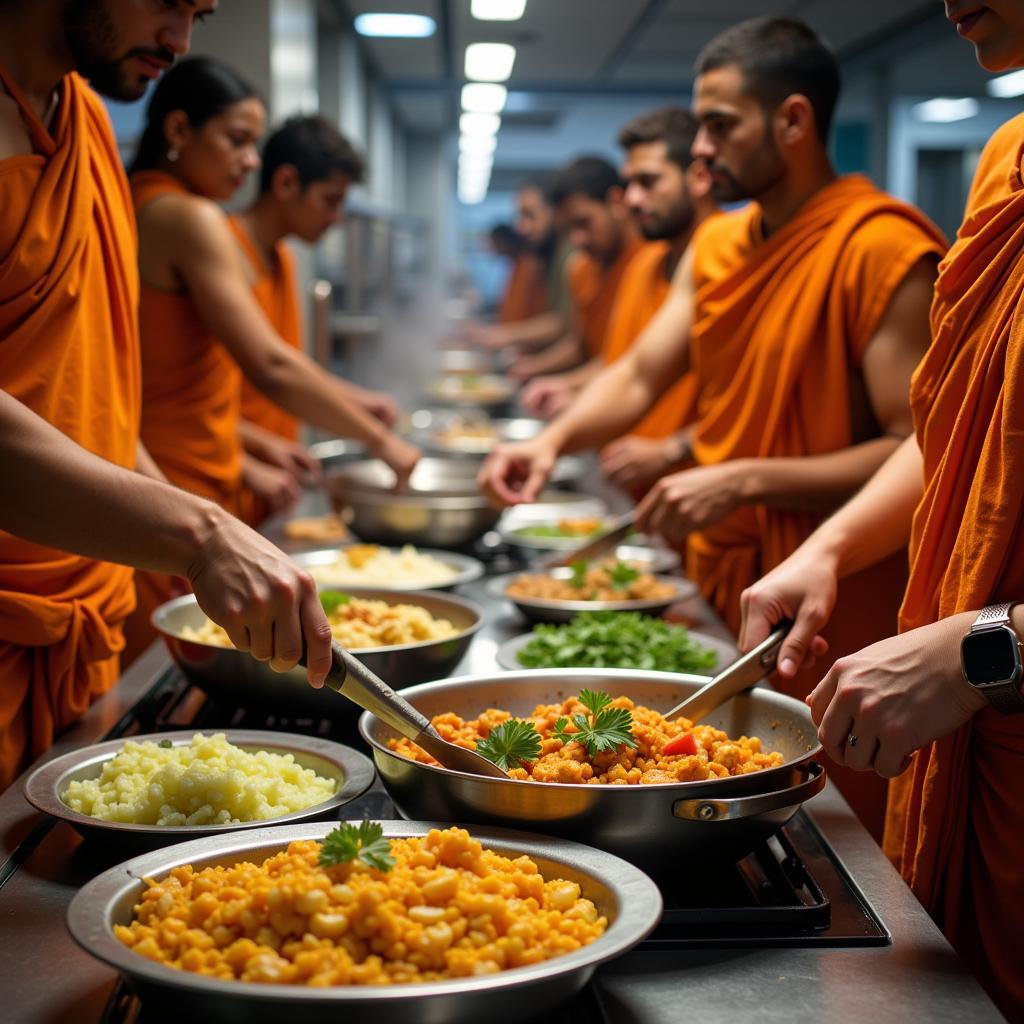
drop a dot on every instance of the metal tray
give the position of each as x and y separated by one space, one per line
727 652
466 568
621 892
353 772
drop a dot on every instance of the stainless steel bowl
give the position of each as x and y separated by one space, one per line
43 788
627 897
441 507
238 679
472 391
537 610
336 452
466 569
507 654
657 827
430 425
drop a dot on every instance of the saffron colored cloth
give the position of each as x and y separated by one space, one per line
526 291
780 330
593 288
643 289
956 821
69 350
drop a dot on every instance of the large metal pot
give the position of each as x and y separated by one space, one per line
441 507
239 679
652 826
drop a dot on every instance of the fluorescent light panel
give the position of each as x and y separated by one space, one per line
498 10
479 124
477 144
395 26
484 98
945 109
1006 86
489 62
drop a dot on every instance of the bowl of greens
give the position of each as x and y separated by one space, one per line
617 640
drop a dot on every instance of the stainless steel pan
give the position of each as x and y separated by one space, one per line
653 826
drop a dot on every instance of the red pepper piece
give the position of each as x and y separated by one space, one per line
685 743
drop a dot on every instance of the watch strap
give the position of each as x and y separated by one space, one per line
994 614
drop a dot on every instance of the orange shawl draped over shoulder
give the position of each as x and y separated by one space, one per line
277 292
781 326
956 820
526 292
593 289
69 350
643 289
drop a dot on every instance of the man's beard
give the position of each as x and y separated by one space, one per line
674 224
762 170
92 36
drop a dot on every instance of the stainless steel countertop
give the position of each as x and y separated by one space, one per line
45 978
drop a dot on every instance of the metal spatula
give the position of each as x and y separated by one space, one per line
351 678
751 668
608 540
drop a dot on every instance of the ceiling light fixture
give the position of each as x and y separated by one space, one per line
395 26
498 10
477 144
489 62
479 124
1006 86
944 109
484 98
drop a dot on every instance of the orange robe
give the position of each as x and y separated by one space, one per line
956 819
526 292
780 329
593 288
69 350
643 289
191 402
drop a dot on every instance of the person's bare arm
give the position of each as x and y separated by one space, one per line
531 333
565 354
199 248
145 464
70 499
548 396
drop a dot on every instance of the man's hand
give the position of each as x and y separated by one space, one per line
692 499
546 397
286 455
515 473
378 404
277 488
634 462
399 455
265 602
876 707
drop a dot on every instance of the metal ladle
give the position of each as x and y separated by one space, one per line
751 668
351 678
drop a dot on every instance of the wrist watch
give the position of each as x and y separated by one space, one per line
991 659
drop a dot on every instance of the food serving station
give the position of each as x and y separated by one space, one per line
814 924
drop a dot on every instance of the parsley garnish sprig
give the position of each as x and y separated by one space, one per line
364 842
578 579
605 729
622 574
511 743
332 600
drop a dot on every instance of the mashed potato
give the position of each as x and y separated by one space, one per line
205 782
448 908
373 566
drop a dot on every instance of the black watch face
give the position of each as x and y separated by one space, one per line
990 656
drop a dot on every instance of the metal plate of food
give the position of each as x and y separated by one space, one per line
507 656
621 893
539 595
482 390
406 568
47 786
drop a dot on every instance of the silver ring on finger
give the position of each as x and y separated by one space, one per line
851 739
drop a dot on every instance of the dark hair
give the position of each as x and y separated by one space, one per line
675 126
778 57
202 87
505 234
542 182
590 176
315 148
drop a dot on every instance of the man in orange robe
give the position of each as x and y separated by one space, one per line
69 356
803 316
525 293
906 707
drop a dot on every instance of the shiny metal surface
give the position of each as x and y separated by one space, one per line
466 569
635 822
441 507
472 391
627 897
352 772
336 452
536 609
237 678
464 360
508 651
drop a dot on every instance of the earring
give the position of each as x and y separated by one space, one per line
172 155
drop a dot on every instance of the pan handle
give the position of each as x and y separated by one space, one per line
738 807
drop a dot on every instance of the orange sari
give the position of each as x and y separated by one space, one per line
593 289
780 329
956 819
526 293
69 350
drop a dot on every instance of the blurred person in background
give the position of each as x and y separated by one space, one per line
525 294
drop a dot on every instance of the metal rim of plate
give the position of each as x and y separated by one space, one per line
538 608
467 569
510 535
506 653
637 910
44 786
